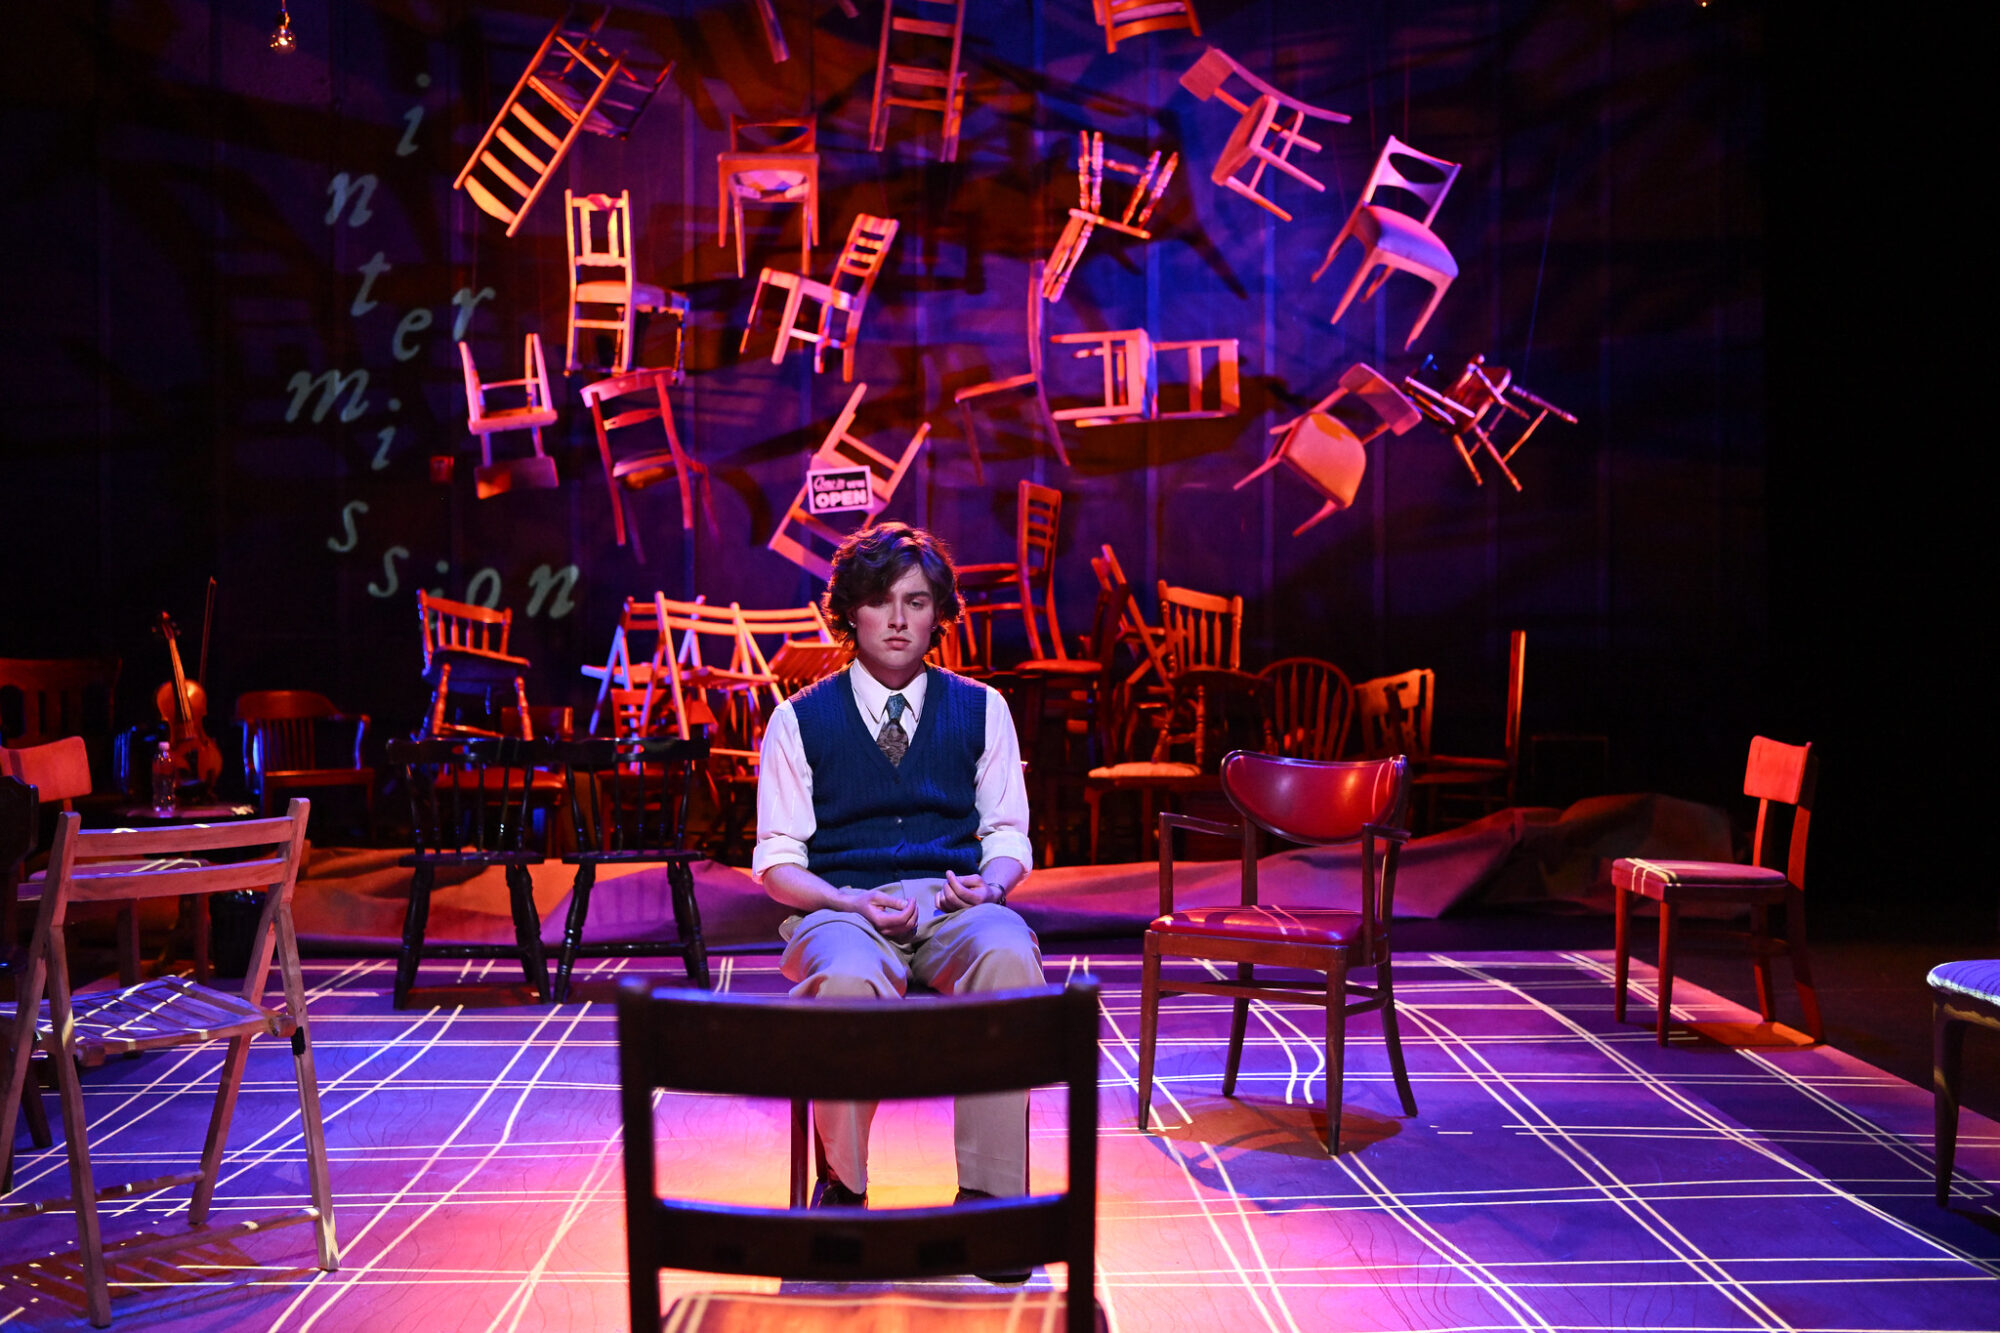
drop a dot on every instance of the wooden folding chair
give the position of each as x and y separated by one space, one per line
83 1031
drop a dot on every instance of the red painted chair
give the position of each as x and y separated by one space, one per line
1319 804
1785 774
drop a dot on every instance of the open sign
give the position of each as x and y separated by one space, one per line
838 490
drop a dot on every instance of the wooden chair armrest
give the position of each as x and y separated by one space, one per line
1169 821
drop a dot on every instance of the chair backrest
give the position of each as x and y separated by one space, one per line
583 214
461 627
796 637
46 699
1037 525
1312 704
755 1046
784 135
469 796
1147 644
1517 685
861 259
1320 804
1393 410
59 770
1787 775
279 731
19 811
629 797
1392 714
1202 629
644 381
176 860
1480 388
534 381
1430 193
1210 75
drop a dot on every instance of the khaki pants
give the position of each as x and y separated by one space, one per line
981 948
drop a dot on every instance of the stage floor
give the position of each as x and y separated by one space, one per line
1563 1173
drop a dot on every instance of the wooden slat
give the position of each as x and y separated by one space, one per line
520 151
175 839
66 1203
513 182
260 874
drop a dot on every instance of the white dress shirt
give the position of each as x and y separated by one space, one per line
785 819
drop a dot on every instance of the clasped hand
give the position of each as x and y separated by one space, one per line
896 917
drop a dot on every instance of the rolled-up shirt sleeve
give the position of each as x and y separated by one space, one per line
785 821
1000 793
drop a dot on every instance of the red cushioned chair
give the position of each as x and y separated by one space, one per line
1785 774
1303 801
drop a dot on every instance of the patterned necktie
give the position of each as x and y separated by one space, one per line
892 738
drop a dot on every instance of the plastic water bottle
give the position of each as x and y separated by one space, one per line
166 780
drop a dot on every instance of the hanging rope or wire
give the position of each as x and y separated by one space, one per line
1541 267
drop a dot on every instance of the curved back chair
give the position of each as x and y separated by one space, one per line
1311 705
1321 805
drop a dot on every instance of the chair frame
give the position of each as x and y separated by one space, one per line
168 1012
1381 840
1952 1011
1030 576
1309 720
799 153
1394 413
1257 121
1035 379
286 722
1089 214
536 472
635 296
947 84
861 262
466 635
1463 410
1123 20
842 448
697 1041
56 697
640 470
1432 196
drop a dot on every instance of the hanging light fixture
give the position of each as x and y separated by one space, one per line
281 36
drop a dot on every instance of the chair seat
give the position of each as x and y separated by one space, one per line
645 295
1678 880
1290 925
770 184
1143 769
1399 234
643 470
1076 667
511 418
1973 978
902 1311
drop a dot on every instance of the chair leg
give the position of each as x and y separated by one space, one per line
579 912
1947 1048
318 1179
687 921
1094 798
1760 959
415 917
227 1086
1795 937
1621 952
1239 1025
1336 1049
128 942
801 1127
1149 1026
1392 1037
434 720
528 930
83 1189
1668 915
37 1114
1437 295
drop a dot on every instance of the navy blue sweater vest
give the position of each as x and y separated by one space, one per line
880 822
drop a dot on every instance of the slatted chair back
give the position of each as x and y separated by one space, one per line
1312 705
1393 714
471 798
462 627
169 1011
43 700
1202 629
599 233
792 645
756 1046
637 652
862 258
1781 774
629 796
280 730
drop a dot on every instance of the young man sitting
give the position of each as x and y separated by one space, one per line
891 813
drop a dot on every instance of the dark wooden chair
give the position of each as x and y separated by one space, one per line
1777 774
1319 804
84 1030
58 772
628 801
1962 993
288 738
697 1041
1067 712
1025 584
1312 704
46 699
471 806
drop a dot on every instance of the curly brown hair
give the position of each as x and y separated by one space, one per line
870 562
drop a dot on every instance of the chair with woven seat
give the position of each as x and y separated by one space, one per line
1777 774
1963 994
1319 805
628 800
287 737
1394 241
769 163
85 1030
472 807
754 1046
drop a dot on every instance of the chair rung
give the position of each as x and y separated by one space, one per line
922 27
140 1246
66 1203
920 76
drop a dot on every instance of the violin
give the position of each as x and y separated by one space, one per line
183 705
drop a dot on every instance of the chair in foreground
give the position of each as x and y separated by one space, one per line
1393 240
629 803
1961 993
695 1041
171 1011
1319 805
471 804
1777 773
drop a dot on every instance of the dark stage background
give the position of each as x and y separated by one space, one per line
182 261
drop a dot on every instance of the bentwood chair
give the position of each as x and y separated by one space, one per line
1777 774
471 808
1320 805
84 1030
1962 993
629 801
753 1046
1394 241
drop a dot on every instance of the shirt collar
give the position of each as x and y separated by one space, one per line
873 696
